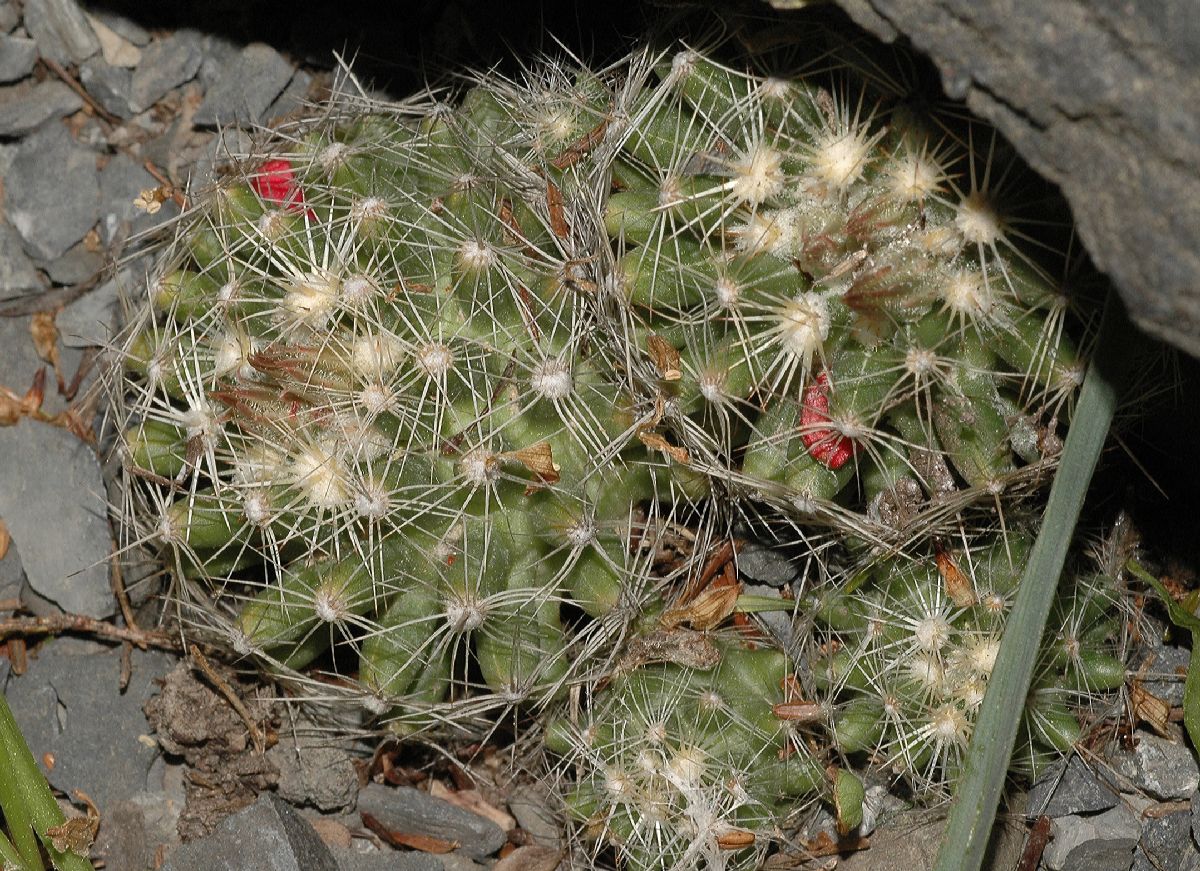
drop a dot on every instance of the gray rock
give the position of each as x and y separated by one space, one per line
54 504
1166 841
765 564
531 808
111 86
61 29
166 64
1118 828
267 836
29 105
291 98
18 275
91 320
17 57
1099 98
12 575
69 703
218 150
246 88
219 55
1166 668
1071 787
121 180
122 26
75 266
312 771
410 810
1162 768
53 192
385 860
1108 855
9 16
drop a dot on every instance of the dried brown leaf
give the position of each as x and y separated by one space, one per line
424 843
531 857
665 357
656 442
554 204
5 539
958 585
705 611
735 839
1149 708
539 459
472 800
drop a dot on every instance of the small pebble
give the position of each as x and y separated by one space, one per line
1164 769
246 88
52 192
27 106
1071 787
1117 828
111 86
411 810
18 54
61 29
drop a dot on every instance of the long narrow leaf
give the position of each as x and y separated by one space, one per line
29 806
974 809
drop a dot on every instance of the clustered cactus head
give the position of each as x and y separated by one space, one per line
454 402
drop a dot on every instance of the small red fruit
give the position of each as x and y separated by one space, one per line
275 182
825 444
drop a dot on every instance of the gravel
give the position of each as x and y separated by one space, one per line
1164 769
61 29
17 273
165 65
1072 787
412 811
18 54
27 106
52 192
245 88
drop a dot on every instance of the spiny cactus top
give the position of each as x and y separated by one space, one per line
445 398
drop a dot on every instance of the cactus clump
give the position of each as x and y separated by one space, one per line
452 400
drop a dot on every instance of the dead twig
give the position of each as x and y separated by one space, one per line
227 691
59 624
79 89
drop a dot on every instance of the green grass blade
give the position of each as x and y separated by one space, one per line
25 798
974 808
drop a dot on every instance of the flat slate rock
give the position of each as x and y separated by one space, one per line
52 192
165 64
91 320
267 836
246 88
385 860
1072 787
18 54
111 86
54 505
1166 841
1100 98
61 29
76 265
1113 834
409 810
18 275
1162 768
69 702
27 106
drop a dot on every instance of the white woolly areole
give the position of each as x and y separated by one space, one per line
480 467
914 177
554 125
332 157
686 767
920 361
727 291
966 294
803 325
256 505
376 355
371 500
200 421
368 209
840 158
767 231
465 615
932 632
309 299
228 291
330 605
375 398
582 533
273 224
683 64
477 255
949 726
977 219
757 175
927 670
551 379
775 88
320 477
434 359
358 289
